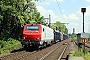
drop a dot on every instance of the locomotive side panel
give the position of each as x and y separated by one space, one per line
48 35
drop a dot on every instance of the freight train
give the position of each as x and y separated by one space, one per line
58 36
40 35
65 36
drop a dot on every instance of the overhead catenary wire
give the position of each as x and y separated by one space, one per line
61 12
60 9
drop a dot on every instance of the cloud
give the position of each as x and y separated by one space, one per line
62 10
55 0
86 18
43 3
46 13
88 0
70 17
79 12
73 1
60 0
63 18
87 13
47 2
73 17
42 10
76 26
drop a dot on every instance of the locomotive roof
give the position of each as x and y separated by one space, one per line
33 24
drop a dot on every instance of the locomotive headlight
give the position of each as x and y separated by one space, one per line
37 39
23 37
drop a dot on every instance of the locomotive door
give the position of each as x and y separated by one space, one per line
44 34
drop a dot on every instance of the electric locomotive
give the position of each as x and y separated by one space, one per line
37 35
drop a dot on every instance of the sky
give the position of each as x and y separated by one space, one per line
67 11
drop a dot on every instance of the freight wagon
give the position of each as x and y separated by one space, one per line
65 36
58 36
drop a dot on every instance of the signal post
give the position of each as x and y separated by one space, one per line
82 38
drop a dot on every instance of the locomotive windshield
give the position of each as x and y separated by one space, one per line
32 27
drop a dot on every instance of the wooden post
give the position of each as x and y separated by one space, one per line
84 47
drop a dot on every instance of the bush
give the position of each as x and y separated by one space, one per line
4 51
9 45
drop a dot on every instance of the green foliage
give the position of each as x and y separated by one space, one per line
14 14
60 26
78 53
74 36
9 45
87 57
81 54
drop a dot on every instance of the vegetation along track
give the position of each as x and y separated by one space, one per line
16 55
87 45
35 54
55 54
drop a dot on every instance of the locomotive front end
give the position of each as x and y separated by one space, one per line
31 35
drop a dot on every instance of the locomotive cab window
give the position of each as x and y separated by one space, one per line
32 28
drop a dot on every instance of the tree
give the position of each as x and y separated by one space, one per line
14 14
60 26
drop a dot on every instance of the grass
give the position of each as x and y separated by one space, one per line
74 38
81 54
87 56
7 46
78 53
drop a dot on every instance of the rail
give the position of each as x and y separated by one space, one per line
60 55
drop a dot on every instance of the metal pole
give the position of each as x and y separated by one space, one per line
88 25
64 26
83 10
83 22
84 47
83 32
49 20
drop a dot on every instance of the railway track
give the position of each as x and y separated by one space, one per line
20 55
56 54
17 55
36 55
86 44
